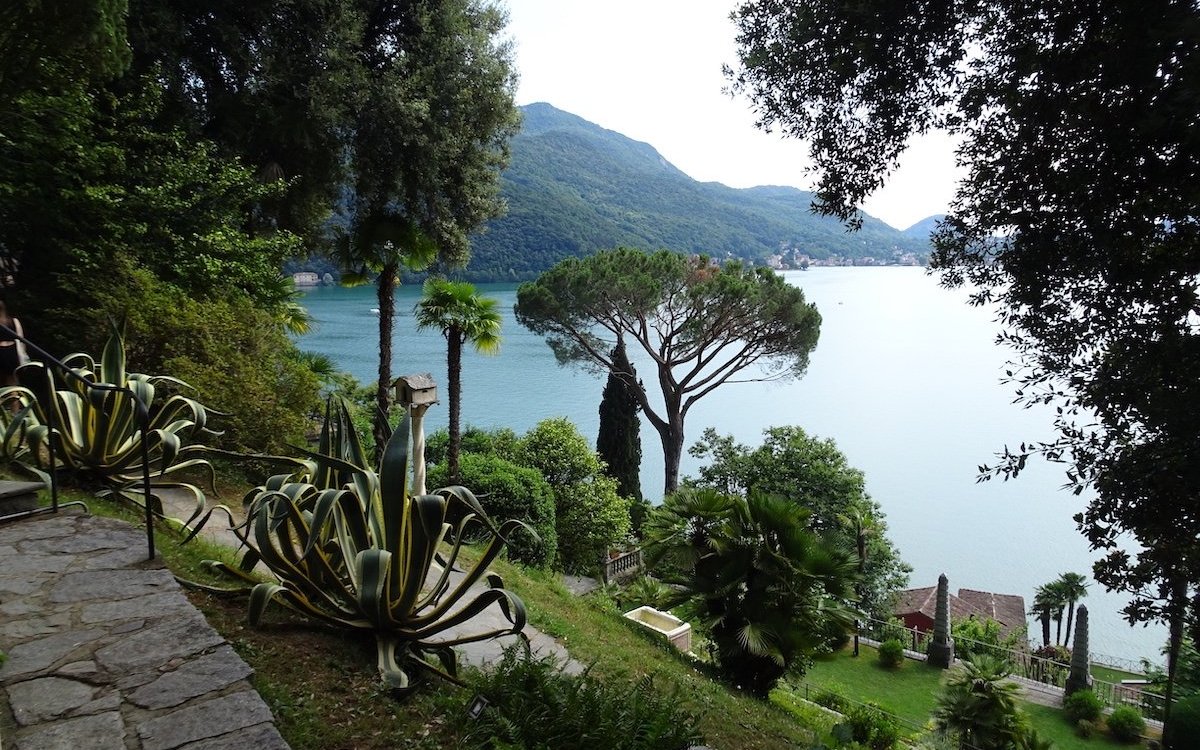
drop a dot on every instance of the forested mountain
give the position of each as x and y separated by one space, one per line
923 228
574 188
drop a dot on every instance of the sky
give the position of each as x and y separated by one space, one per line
651 70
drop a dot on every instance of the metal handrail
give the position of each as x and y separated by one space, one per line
140 410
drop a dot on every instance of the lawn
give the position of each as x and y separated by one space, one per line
910 692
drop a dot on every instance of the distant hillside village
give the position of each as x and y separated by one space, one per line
798 260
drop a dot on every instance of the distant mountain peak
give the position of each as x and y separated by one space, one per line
574 188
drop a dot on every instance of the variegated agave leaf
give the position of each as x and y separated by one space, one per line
367 555
97 433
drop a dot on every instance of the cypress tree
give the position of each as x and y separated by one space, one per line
619 442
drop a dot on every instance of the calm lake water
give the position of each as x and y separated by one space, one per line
906 380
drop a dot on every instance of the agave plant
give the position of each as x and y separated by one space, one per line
352 547
90 423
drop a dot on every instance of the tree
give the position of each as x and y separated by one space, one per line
1073 587
701 325
1077 218
980 705
767 587
619 441
463 316
1047 600
814 474
427 144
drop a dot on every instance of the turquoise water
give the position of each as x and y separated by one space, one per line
906 380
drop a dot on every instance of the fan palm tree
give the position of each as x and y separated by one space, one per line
764 584
463 316
980 705
1073 587
1046 601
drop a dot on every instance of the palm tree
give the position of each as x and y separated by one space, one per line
1056 595
765 585
1074 588
1045 603
462 315
980 705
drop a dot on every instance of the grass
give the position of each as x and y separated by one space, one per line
910 692
324 691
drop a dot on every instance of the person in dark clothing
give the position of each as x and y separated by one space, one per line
12 351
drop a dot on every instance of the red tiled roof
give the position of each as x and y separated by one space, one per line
1006 609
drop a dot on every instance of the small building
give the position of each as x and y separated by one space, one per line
918 607
306 278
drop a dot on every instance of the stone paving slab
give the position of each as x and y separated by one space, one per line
105 651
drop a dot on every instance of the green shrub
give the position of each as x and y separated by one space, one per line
507 491
870 726
1082 705
1125 724
831 700
534 704
1184 724
891 653
590 516
1085 729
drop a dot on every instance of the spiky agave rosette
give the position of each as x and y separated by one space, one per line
96 432
369 556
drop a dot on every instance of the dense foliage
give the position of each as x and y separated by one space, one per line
534 704
983 636
1082 705
619 439
1125 724
815 475
589 515
762 584
701 323
1077 217
979 705
506 491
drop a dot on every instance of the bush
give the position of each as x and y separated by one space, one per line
1126 724
891 653
1082 705
831 700
507 491
1184 724
869 725
1085 729
532 703
591 516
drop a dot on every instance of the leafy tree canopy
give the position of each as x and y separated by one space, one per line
1079 215
701 325
815 475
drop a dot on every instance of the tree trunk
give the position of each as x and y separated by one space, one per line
1176 608
1045 618
454 342
385 288
1058 630
672 443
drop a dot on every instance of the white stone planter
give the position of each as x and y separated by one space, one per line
677 632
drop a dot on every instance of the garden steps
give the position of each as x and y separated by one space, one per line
105 651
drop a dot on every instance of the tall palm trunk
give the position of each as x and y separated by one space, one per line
1045 618
385 288
454 342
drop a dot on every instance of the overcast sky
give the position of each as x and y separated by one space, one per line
651 69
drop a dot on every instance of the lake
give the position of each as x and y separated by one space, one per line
905 379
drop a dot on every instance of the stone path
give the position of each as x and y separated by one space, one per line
106 653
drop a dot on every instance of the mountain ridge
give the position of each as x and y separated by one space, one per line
574 187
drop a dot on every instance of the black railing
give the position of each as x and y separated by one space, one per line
140 411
